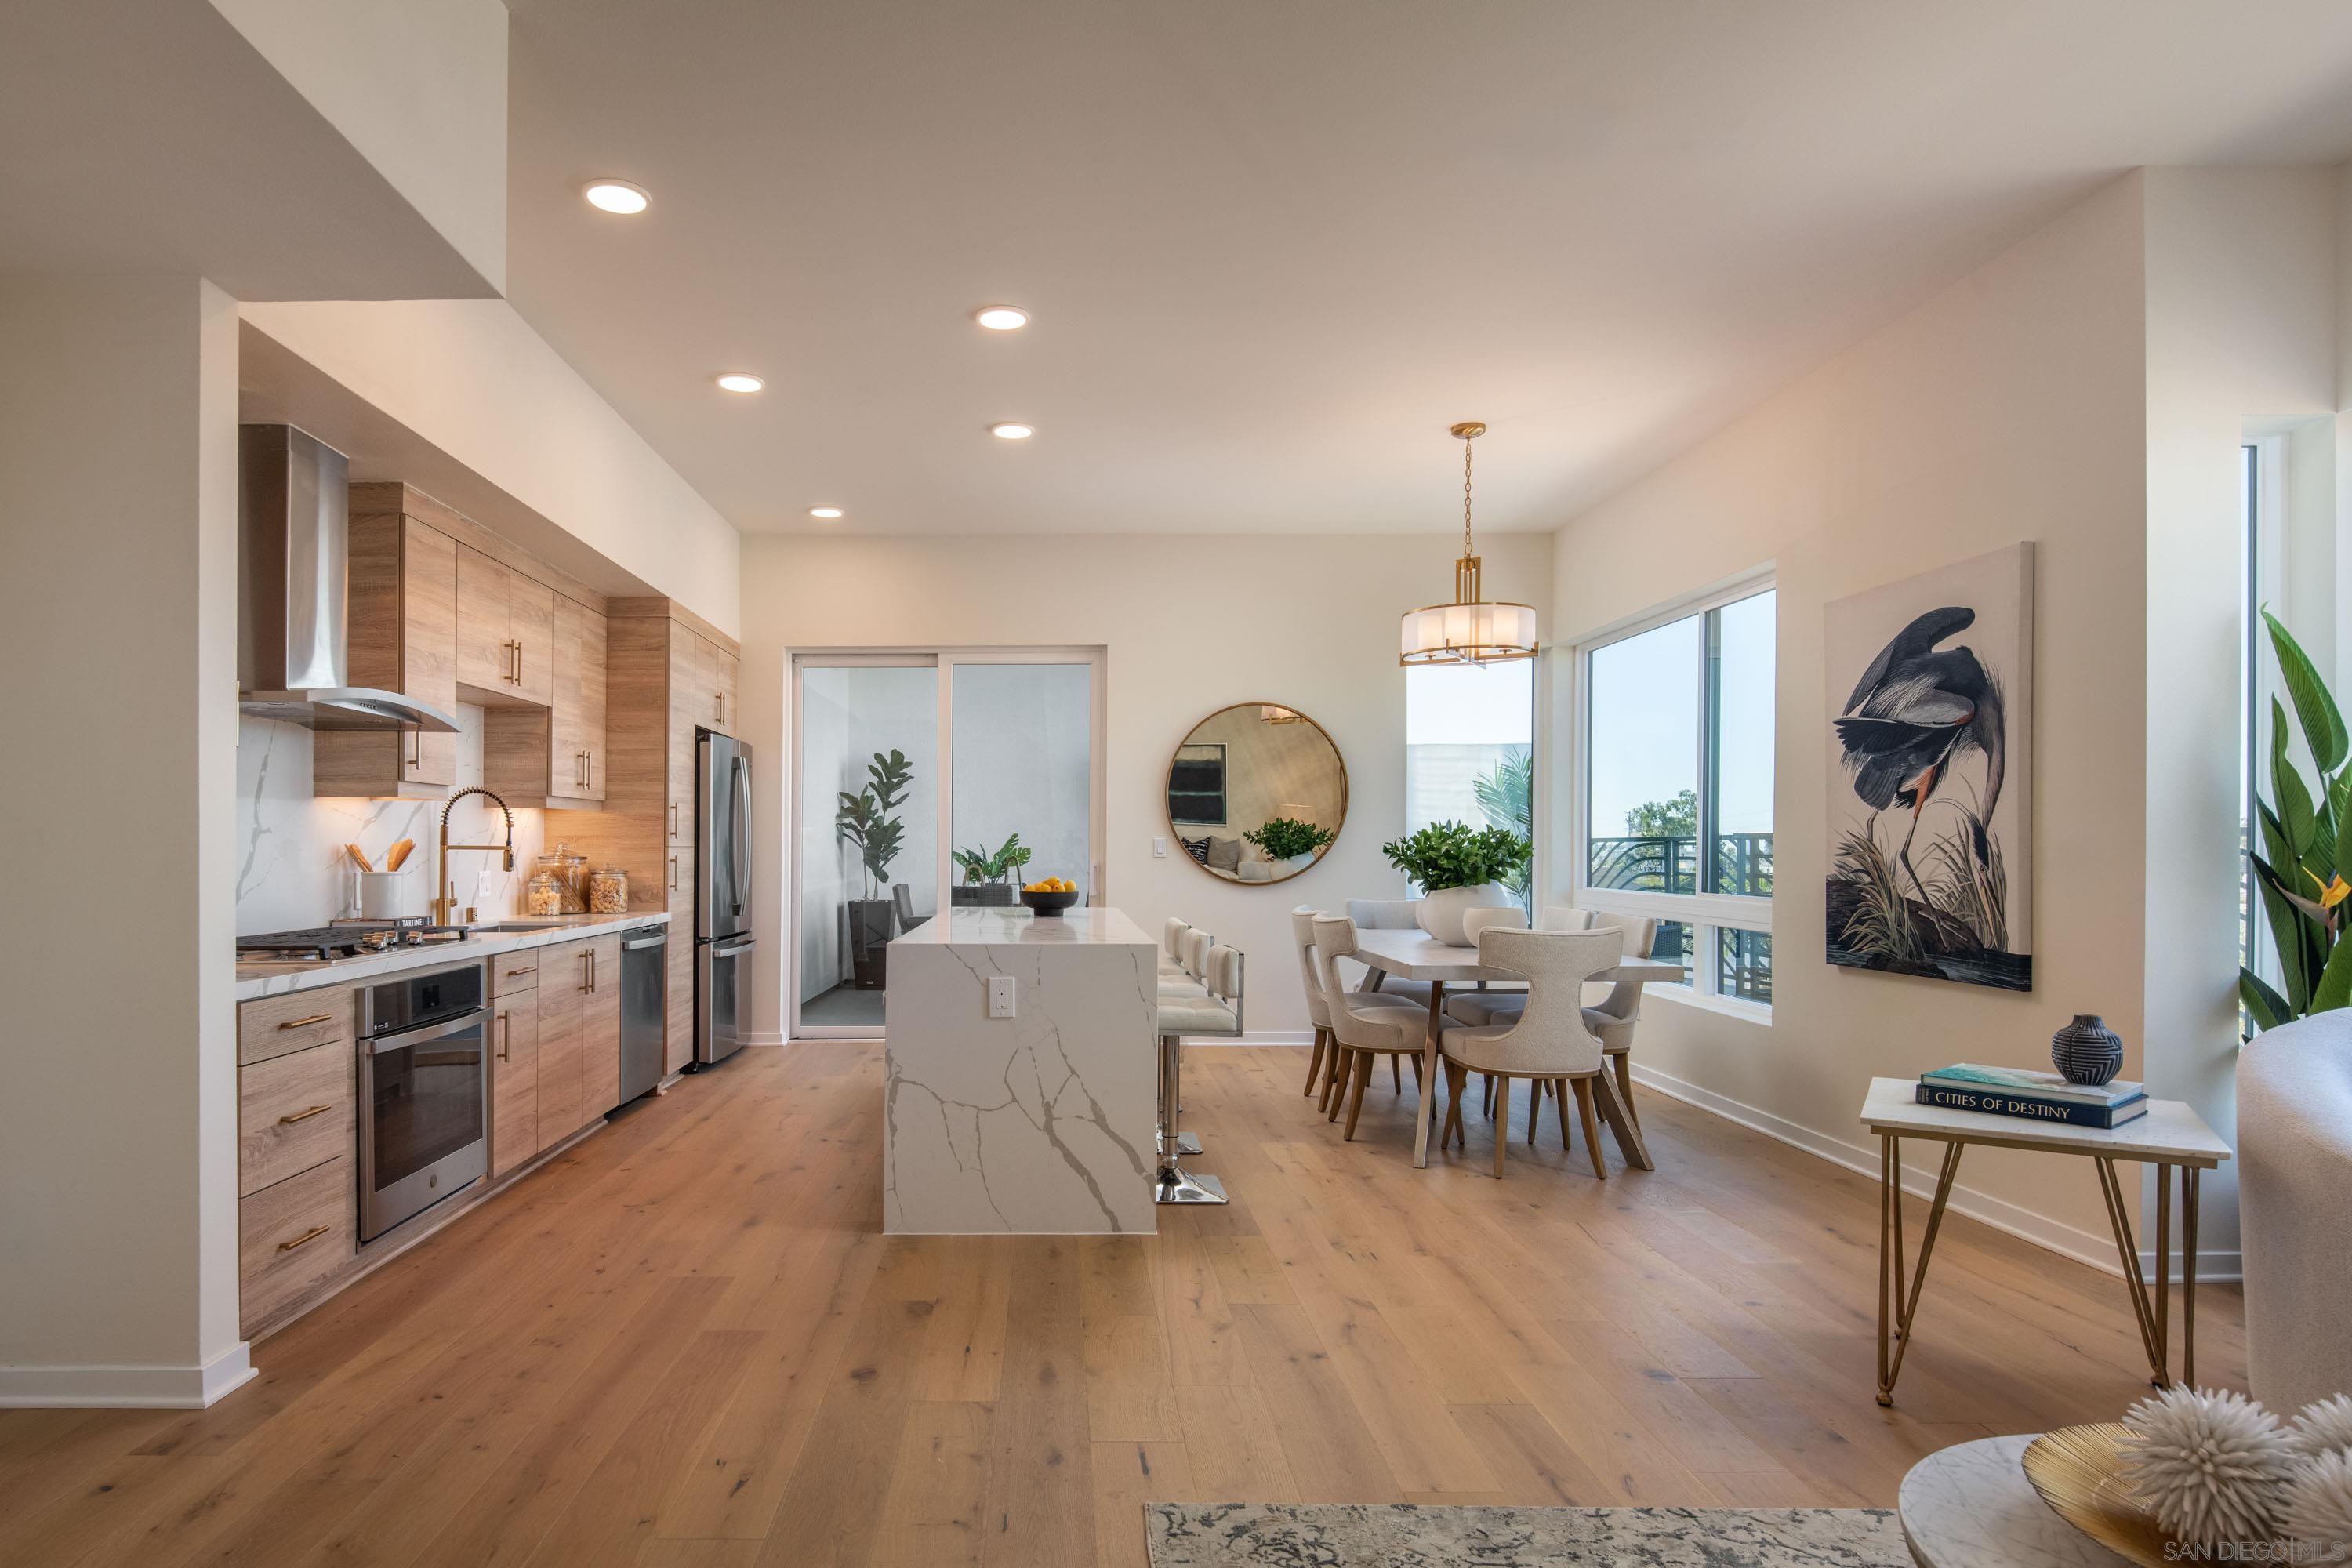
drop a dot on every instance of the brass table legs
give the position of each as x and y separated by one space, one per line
1898 1302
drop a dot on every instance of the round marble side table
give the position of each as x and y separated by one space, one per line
1971 1506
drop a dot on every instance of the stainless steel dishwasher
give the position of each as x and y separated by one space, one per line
644 993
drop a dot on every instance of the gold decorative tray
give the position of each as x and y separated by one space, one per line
2078 1470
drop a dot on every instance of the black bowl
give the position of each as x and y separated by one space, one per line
1049 903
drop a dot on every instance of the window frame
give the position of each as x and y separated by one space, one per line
1707 915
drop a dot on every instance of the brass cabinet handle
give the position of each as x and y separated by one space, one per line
673 873
506 1029
673 819
722 708
302 1115
417 748
585 959
518 661
314 1234
306 1023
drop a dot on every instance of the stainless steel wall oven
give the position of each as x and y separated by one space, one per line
423 1045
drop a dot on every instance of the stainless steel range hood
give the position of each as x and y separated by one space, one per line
293 558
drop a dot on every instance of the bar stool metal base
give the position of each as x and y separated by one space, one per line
1176 1186
1188 1143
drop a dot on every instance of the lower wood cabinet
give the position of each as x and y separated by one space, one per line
563 983
514 1079
294 1113
292 1236
600 1028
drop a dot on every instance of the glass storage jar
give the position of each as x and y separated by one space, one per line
608 891
572 869
544 894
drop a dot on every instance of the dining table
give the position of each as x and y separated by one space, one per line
1415 954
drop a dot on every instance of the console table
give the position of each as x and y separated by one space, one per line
2170 1135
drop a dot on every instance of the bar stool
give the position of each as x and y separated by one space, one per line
1218 1012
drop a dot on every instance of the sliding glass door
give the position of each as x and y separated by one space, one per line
925 781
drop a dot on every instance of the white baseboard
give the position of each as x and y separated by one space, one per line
763 1039
2095 1249
126 1387
1256 1037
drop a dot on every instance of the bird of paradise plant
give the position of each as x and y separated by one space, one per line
2301 869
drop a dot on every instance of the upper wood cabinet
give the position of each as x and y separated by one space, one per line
714 685
402 619
506 632
555 756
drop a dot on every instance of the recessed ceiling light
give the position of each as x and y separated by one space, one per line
827 512
1003 318
1013 430
617 196
736 381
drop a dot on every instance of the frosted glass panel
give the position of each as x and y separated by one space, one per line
1023 746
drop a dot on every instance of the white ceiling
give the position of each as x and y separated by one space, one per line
1274 249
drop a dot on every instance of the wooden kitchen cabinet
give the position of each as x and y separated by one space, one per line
600 1028
714 685
555 756
514 1080
563 983
506 632
402 616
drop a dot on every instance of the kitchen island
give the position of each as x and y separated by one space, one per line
1039 1124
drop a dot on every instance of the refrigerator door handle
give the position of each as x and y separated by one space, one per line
746 945
740 803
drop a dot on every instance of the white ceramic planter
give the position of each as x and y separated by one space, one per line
1440 913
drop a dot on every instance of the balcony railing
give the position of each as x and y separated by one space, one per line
1668 863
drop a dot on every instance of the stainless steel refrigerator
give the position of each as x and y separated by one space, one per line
723 937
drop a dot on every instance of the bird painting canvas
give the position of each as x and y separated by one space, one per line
1930 786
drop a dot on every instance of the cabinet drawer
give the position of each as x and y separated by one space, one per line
275 1026
292 1237
512 972
294 1111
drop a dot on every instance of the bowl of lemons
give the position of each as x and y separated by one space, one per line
1052 896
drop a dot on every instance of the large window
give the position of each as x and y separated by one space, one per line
1678 784
1469 752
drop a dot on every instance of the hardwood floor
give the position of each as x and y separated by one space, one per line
685 1344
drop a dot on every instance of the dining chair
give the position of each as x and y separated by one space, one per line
1550 1042
1612 1018
1323 1068
1390 914
902 898
1364 1023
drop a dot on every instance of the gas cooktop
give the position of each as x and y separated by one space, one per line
344 939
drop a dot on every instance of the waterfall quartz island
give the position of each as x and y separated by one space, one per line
1042 1123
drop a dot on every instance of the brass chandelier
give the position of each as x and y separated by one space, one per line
1472 630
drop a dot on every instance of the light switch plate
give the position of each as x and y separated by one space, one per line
1159 849
1000 995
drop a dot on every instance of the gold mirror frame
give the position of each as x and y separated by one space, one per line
1177 833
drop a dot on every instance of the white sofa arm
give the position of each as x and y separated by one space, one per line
2294 1153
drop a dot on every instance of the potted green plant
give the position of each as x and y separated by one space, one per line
1286 839
864 821
2302 869
1459 868
986 883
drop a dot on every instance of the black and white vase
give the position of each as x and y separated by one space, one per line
2086 1051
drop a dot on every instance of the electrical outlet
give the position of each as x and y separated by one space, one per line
1000 995
1159 849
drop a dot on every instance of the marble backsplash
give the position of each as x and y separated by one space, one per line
292 869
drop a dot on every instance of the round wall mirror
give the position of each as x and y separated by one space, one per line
1257 792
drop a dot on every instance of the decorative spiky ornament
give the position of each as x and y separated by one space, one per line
2210 1464
2324 1425
2317 1505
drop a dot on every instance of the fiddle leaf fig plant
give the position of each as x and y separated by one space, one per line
1284 836
1450 855
864 819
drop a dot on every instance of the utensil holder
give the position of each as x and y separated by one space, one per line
384 895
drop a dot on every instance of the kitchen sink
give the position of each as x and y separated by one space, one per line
520 925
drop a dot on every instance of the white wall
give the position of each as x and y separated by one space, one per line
1310 623
2012 407
2242 278
419 89
118 1134
471 377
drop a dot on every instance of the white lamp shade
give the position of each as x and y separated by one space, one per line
1467 632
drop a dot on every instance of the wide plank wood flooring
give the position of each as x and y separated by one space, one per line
686 1344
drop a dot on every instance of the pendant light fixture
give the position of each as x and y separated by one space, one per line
1472 630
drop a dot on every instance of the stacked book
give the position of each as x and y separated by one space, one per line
2032 1096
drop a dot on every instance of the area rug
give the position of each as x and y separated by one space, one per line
1400 1535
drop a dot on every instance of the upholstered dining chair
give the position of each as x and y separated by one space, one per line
1612 1018
1390 914
1550 1042
1364 1023
1324 1068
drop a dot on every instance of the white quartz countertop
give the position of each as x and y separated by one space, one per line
275 979
1018 925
